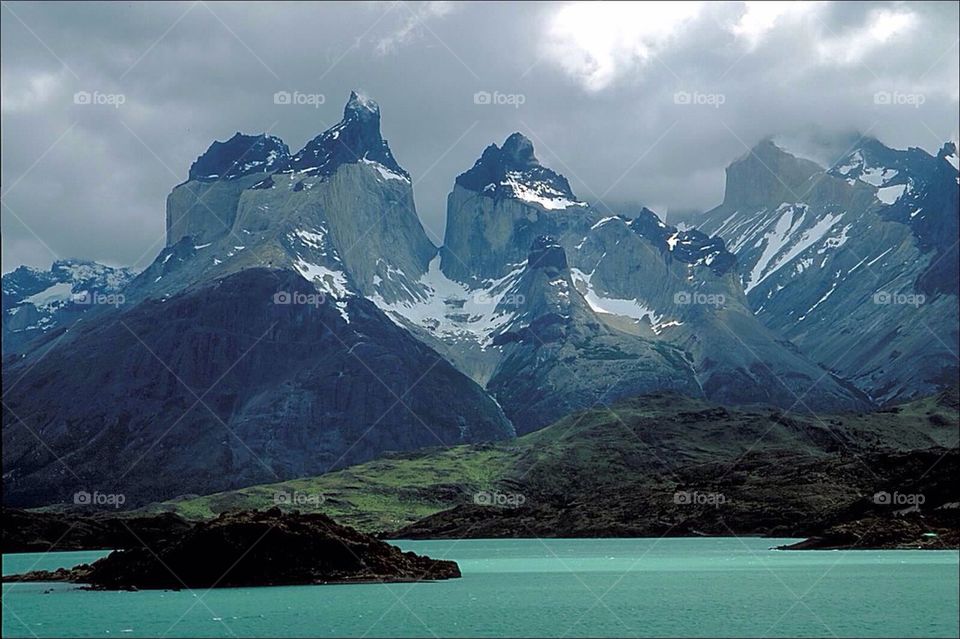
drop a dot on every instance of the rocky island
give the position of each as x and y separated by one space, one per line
254 548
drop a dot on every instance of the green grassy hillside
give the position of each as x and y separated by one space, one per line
613 461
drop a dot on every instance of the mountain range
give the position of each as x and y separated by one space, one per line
856 264
300 320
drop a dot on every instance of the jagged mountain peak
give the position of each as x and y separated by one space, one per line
360 105
239 156
689 246
356 138
513 171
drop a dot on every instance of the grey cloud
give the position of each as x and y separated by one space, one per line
91 180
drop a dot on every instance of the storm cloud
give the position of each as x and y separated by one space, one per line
634 103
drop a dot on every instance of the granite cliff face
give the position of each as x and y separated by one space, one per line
856 265
340 211
204 207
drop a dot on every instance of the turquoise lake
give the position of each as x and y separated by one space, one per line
528 587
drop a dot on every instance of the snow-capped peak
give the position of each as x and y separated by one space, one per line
239 156
354 139
360 102
513 171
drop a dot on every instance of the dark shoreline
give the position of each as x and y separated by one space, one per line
30 531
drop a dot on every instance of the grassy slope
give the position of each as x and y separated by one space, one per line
643 439
378 495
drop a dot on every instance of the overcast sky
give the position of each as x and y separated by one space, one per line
594 86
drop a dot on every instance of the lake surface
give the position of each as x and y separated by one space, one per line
528 587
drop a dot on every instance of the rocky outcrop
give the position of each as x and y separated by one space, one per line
920 191
245 549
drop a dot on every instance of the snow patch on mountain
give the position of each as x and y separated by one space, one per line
632 308
787 240
890 194
539 193
454 311
384 171
53 296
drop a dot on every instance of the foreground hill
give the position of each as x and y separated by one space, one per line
653 465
